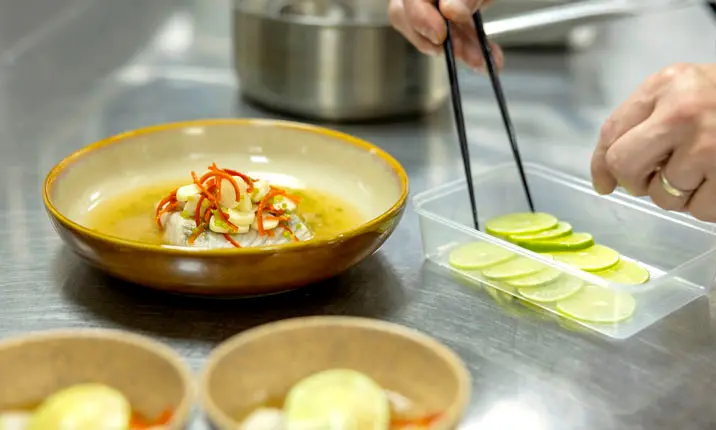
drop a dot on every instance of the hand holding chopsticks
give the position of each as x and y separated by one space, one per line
456 23
422 22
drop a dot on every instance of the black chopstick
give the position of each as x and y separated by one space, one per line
460 121
712 6
500 96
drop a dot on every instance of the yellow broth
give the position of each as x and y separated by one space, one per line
130 216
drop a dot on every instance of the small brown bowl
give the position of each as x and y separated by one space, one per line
296 154
149 374
263 363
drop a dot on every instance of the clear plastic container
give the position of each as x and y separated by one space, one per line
678 251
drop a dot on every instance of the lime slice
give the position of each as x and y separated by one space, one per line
559 289
537 310
561 229
501 297
337 399
513 268
509 304
626 272
592 259
520 223
573 242
83 407
571 325
465 278
598 305
477 255
542 277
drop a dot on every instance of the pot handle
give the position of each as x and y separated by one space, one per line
584 12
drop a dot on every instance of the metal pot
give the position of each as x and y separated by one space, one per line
340 60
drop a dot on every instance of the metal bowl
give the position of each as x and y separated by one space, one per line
332 60
340 60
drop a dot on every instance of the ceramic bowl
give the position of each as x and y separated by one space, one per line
263 363
149 374
294 154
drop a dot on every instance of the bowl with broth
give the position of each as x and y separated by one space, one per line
226 206
92 379
334 372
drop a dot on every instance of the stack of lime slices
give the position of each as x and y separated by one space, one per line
544 233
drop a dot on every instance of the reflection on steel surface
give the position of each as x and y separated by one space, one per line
61 93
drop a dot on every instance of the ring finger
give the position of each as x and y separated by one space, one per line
659 187
680 173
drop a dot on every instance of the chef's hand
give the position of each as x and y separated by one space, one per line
662 142
424 26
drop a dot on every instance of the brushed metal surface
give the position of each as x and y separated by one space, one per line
114 66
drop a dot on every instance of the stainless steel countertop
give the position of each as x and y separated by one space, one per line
73 71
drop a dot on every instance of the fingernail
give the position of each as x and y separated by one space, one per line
429 34
431 50
476 63
604 189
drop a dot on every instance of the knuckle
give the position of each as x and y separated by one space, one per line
679 69
686 109
668 74
703 154
418 19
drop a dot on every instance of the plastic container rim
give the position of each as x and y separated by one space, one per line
564 179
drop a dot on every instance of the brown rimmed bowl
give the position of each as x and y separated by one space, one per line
265 362
359 172
151 375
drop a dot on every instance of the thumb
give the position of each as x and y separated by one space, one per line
460 10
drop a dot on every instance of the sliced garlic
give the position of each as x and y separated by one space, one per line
228 198
218 225
261 188
187 191
241 218
268 224
190 206
245 201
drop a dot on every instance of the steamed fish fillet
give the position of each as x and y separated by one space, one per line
178 229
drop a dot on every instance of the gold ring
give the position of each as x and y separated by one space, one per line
672 190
